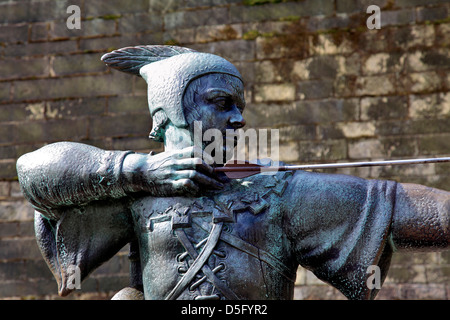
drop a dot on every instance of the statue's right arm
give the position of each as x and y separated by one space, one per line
68 174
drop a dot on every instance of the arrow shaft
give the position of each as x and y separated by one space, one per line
246 168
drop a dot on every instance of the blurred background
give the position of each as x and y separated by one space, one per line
336 89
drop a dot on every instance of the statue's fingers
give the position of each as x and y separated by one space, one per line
185 185
194 152
194 164
200 179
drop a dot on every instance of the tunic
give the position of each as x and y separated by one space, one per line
243 242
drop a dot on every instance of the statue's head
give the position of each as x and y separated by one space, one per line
184 86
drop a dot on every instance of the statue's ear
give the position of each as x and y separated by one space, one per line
132 59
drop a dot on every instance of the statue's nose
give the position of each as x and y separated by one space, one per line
236 119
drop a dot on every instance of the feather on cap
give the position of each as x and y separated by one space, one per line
132 59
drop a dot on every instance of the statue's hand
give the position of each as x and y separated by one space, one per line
170 173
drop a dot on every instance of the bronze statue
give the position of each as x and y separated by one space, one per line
194 233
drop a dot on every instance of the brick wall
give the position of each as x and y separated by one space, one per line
336 90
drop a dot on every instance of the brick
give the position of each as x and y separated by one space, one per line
323 67
329 131
434 144
189 19
138 144
13 33
429 106
413 36
27 289
75 108
443 35
427 60
242 50
398 17
285 45
12 270
289 152
7 133
413 3
80 63
297 133
84 86
325 111
268 71
206 3
89 28
8 152
382 108
327 23
17 12
358 129
41 49
269 114
416 126
382 63
277 11
98 8
275 92
365 149
8 230
431 13
23 248
37 269
300 70
378 41
127 105
421 82
140 22
26 228
186 37
399 147
23 68
375 85
315 89
159 7
326 44
4 190
328 150
53 130
348 6
217 33
39 31
120 126
111 43
5 89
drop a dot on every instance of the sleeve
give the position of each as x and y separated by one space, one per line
82 239
82 215
340 229
64 174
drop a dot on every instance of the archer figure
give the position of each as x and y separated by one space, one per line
198 234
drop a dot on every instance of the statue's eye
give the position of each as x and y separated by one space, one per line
222 102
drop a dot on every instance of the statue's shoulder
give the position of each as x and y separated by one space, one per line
265 184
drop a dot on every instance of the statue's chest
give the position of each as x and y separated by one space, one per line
250 197
174 233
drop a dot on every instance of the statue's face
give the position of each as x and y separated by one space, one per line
216 102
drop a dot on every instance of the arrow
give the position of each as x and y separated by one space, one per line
235 169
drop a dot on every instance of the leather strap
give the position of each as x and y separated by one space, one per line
256 252
198 263
219 284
